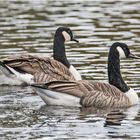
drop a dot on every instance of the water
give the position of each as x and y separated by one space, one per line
29 25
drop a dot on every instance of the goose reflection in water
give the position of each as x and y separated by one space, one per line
112 116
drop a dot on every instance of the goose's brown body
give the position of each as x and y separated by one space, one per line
91 93
43 69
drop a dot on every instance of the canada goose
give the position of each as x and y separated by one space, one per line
28 69
88 93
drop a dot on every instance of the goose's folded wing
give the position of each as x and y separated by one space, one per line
66 87
43 68
101 99
22 63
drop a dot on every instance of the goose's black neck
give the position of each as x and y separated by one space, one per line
114 73
59 51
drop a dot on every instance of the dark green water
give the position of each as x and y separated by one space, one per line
29 26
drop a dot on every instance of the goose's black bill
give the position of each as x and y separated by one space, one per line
133 56
75 40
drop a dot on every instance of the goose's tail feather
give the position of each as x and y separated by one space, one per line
40 86
5 69
13 77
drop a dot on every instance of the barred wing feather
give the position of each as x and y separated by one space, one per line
104 99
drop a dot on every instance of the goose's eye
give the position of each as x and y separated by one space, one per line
69 31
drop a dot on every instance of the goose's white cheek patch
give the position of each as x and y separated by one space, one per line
66 36
121 52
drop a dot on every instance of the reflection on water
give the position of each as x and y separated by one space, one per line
29 25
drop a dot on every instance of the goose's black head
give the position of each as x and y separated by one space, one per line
121 50
65 33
